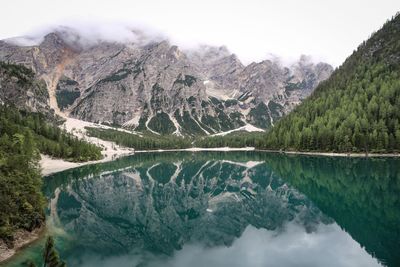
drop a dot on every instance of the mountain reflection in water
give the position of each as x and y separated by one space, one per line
227 209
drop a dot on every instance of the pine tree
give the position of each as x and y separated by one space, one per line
50 255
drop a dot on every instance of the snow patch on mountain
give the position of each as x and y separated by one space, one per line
247 128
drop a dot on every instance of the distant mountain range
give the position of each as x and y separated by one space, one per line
156 87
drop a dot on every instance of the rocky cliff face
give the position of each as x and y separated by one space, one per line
159 88
19 87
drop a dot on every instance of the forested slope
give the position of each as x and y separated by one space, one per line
23 136
21 201
356 109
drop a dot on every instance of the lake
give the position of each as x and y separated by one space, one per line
225 209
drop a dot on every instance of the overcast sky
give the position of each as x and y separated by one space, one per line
253 29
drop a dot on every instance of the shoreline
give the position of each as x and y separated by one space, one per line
199 149
23 239
110 150
50 165
334 154
309 153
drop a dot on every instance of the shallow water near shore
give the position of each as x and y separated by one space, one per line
243 208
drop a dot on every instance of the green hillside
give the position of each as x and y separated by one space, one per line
356 109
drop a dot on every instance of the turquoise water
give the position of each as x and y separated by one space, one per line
225 209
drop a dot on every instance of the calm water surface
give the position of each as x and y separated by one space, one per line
225 209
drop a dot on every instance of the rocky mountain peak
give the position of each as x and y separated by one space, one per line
175 53
66 38
53 40
212 52
305 60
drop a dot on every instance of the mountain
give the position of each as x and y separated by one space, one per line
154 86
356 109
265 91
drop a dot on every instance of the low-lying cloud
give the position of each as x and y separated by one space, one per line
328 30
329 246
87 34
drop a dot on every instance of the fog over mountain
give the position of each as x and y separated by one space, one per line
141 80
86 34
251 29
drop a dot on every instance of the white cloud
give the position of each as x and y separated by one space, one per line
329 246
329 30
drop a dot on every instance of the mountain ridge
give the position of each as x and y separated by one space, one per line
157 87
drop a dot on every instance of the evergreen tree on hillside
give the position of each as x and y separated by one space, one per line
50 255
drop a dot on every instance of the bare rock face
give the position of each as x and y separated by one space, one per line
159 88
20 88
218 65
266 90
